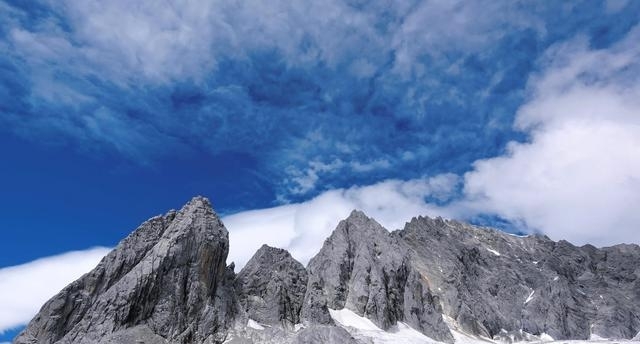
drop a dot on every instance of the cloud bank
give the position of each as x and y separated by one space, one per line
302 228
578 177
25 288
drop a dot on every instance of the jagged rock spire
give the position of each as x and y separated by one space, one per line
363 268
271 287
165 281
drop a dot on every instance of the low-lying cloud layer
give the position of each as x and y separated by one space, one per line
25 288
302 228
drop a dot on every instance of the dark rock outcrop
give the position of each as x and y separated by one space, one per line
490 281
168 282
165 281
271 287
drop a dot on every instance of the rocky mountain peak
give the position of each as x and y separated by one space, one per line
363 268
271 254
271 287
165 281
357 214
196 204
358 226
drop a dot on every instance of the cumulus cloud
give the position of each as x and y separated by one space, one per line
435 80
25 288
578 177
302 227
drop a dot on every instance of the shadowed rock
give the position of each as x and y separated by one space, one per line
490 281
271 287
363 268
166 280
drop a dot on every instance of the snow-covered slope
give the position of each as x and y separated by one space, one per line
436 281
366 331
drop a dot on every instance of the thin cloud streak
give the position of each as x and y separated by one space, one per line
373 82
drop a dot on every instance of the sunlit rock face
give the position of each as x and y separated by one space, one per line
435 280
491 282
271 287
167 281
365 269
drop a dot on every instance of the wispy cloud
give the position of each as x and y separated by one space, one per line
375 82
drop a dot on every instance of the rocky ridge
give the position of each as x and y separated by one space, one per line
168 282
271 287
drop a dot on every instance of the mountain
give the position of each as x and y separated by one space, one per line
436 280
271 287
165 281
365 269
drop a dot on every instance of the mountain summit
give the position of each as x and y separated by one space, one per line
436 280
167 281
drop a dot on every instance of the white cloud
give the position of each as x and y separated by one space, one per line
456 25
302 228
25 288
134 41
579 176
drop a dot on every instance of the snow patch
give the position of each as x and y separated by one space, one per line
546 338
530 297
254 325
363 328
493 251
350 319
556 278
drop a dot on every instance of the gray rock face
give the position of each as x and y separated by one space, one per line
363 268
167 280
271 287
319 334
490 281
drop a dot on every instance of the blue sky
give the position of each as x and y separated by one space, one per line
494 112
